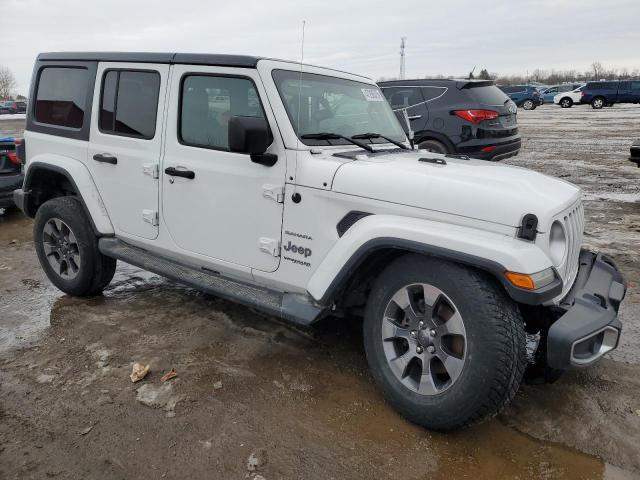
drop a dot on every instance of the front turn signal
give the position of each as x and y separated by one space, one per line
531 281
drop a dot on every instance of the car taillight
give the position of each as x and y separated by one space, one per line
13 158
476 116
20 152
582 94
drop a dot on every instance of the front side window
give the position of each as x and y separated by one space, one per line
129 103
323 104
207 103
61 97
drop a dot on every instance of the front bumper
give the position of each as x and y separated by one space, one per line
589 326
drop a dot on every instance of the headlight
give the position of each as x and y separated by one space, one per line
557 243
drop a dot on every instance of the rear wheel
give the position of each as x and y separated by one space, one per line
444 342
528 105
597 103
433 146
68 248
566 102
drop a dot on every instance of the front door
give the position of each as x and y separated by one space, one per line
125 144
217 203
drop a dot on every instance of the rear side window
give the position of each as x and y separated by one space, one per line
635 85
61 96
403 97
207 103
129 103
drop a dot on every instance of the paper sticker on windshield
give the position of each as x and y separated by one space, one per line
372 94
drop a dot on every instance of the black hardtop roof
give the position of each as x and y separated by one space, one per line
213 59
436 82
220 60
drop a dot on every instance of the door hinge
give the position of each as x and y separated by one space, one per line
151 169
274 192
270 246
150 216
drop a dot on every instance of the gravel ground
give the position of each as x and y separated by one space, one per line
255 398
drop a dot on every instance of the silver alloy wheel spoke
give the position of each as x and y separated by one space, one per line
61 248
424 338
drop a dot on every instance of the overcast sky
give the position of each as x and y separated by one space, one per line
445 37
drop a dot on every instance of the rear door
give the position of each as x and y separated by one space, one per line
125 143
408 98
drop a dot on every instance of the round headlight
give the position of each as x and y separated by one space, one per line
557 243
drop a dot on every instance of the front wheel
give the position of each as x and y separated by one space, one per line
597 103
566 102
444 342
68 250
528 105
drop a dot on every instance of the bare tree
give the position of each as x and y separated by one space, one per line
596 67
7 82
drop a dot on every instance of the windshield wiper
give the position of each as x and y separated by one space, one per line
368 136
336 136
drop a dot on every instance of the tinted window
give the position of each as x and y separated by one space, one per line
487 95
61 96
635 85
129 103
431 93
403 97
207 104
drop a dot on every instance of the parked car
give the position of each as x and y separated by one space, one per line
606 93
7 107
525 96
469 117
21 106
308 212
11 176
568 99
635 152
549 93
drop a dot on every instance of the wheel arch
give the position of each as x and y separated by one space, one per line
56 176
353 262
425 135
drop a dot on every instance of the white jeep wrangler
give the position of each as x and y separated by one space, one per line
293 189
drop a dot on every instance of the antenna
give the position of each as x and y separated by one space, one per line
402 40
295 169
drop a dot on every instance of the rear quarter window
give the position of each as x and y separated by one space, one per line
61 96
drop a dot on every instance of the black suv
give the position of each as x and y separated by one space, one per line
469 117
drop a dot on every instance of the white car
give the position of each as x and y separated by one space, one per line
304 199
568 99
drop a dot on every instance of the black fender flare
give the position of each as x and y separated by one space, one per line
519 295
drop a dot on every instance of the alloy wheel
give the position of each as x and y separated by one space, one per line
424 339
61 248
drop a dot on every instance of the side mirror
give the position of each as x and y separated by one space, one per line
251 135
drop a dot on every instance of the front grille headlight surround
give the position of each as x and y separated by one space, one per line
557 243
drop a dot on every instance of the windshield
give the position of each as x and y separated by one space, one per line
335 105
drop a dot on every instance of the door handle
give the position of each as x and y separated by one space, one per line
414 117
105 158
174 172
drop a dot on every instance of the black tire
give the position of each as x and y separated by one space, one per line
529 104
434 146
95 270
597 103
566 102
495 344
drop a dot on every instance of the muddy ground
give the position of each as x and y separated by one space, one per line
257 398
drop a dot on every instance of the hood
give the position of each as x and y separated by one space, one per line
483 190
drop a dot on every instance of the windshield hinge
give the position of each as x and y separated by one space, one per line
270 246
274 192
151 169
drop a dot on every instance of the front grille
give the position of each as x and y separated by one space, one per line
573 222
